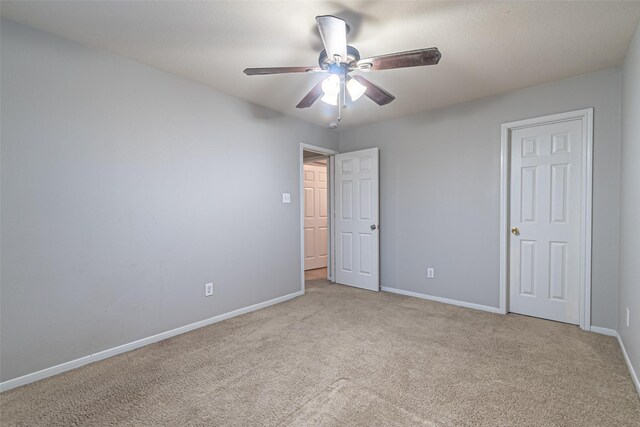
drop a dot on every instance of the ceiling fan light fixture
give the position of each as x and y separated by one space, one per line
355 89
338 59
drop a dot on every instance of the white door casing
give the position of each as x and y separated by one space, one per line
357 219
549 204
315 216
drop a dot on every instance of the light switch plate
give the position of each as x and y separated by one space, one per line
286 197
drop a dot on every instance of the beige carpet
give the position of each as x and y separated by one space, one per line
342 356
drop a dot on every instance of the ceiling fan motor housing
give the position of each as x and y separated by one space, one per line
330 65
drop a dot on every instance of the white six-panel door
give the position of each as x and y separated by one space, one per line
357 219
545 215
315 216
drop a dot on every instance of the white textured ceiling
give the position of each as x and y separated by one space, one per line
487 47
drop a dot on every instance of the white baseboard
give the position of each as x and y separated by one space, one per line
604 331
442 300
63 367
54 370
634 376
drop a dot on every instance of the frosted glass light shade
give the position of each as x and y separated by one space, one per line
331 85
355 89
331 99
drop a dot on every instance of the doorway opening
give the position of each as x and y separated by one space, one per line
350 239
316 205
316 217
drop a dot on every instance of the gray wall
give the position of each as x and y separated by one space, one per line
124 190
630 206
439 185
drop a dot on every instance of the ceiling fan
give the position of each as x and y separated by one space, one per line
339 59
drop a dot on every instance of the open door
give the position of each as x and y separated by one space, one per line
357 247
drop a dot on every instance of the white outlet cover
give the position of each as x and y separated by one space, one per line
208 289
431 273
286 197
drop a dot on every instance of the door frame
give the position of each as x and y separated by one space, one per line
330 188
586 115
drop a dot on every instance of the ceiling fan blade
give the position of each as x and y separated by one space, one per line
411 58
333 32
280 70
375 93
311 97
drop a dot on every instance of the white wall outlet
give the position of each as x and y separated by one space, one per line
627 317
286 197
431 273
208 289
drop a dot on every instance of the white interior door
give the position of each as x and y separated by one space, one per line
315 216
357 219
545 214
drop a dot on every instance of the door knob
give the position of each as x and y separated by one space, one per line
515 231
373 227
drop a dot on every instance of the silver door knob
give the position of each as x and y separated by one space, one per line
373 227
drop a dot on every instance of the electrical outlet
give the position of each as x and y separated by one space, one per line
627 317
431 273
208 289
